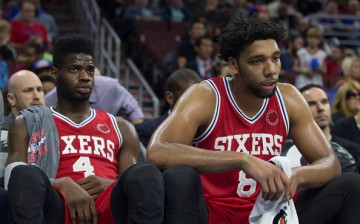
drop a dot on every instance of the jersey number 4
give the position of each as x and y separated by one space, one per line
83 165
246 186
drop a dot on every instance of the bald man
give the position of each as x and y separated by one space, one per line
24 90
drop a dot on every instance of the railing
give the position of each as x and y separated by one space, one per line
107 50
345 29
109 60
144 86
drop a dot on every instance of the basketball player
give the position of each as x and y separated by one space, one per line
228 128
94 150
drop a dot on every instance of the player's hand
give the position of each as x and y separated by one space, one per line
293 186
272 179
94 185
80 204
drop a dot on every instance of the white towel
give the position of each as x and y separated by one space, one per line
269 212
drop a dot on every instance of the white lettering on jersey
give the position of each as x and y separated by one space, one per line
68 141
89 145
84 141
261 143
241 139
110 147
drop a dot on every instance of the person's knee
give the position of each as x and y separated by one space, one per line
181 176
25 176
144 190
146 173
349 181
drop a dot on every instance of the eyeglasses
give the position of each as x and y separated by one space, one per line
350 95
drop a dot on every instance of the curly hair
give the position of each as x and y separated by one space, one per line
72 43
240 33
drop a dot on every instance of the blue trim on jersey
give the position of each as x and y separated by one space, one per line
283 109
215 117
116 127
232 100
66 119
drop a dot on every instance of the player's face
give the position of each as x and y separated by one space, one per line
75 79
319 106
259 67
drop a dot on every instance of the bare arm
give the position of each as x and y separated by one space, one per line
171 143
130 149
311 142
18 140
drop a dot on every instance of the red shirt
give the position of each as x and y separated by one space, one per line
230 196
21 32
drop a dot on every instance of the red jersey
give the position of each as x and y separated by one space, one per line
230 196
89 148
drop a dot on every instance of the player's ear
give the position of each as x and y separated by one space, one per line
233 65
169 96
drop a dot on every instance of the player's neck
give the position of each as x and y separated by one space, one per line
75 111
245 99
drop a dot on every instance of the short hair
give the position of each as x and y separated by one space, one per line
47 78
240 33
22 2
199 40
71 44
310 86
183 75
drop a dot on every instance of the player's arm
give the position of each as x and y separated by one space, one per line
18 140
130 149
311 142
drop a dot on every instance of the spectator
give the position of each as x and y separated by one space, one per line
203 63
333 66
48 83
7 52
186 50
121 102
24 90
174 12
139 10
48 20
350 67
288 57
177 83
309 65
346 101
26 26
319 105
42 67
349 128
90 173
33 52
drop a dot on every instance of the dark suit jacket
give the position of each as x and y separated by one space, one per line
147 128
